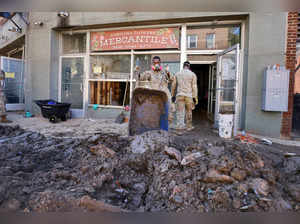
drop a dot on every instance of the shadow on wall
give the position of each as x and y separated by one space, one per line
297 74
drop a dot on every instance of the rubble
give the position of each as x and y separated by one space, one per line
154 172
102 150
259 186
213 176
173 153
294 191
192 158
145 141
97 206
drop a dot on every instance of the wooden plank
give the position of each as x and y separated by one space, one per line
103 93
113 91
98 93
92 92
108 93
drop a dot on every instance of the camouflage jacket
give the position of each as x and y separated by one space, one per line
158 80
186 82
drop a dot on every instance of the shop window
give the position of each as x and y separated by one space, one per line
74 43
109 93
110 80
210 40
192 41
110 67
144 61
214 37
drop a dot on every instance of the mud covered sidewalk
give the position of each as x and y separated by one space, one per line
152 172
73 128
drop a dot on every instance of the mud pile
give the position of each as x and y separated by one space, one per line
105 172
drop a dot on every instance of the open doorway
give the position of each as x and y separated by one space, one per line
202 72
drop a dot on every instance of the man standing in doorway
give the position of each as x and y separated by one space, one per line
186 97
159 79
2 99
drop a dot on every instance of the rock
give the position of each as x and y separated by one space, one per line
138 162
282 205
164 166
243 188
2 193
140 188
191 158
85 169
94 139
236 203
213 176
102 150
136 201
238 174
97 206
259 186
294 191
259 163
225 164
89 189
175 196
221 198
12 205
26 190
292 165
173 153
151 140
49 201
177 199
216 151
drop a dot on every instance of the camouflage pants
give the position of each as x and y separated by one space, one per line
171 112
185 105
2 103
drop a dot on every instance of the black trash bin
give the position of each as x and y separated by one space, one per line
53 110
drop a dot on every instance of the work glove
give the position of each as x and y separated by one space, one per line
195 101
173 99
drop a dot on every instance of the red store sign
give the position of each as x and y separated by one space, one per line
156 38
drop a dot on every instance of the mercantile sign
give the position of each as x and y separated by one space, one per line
153 38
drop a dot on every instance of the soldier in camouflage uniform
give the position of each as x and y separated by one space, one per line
159 80
2 99
186 97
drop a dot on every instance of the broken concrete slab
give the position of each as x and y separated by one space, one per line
151 140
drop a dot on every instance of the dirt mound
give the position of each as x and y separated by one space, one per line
39 173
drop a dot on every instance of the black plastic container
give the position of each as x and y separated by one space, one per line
53 110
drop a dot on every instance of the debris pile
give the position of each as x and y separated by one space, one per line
152 172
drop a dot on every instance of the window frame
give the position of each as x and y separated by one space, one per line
189 41
213 41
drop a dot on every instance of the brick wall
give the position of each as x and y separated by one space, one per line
290 62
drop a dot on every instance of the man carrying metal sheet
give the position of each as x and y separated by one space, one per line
159 80
186 97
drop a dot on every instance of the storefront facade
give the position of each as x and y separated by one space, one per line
90 61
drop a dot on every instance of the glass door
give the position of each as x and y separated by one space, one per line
212 91
72 83
227 97
14 83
